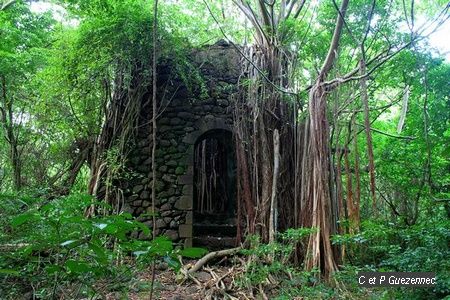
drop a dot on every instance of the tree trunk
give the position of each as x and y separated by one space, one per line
6 115
320 253
274 202
319 244
365 100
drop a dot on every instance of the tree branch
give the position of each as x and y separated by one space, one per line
389 134
327 64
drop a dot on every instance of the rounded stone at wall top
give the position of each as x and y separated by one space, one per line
185 115
175 121
138 188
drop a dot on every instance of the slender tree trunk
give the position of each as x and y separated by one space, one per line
365 100
154 131
349 181
266 177
246 189
357 196
274 202
425 131
6 115
16 165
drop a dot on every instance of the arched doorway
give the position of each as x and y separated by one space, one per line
214 205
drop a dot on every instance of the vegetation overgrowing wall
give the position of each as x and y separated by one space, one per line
185 114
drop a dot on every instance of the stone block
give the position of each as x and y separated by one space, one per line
175 121
137 203
170 192
148 161
188 242
186 179
164 128
167 178
164 143
222 102
188 190
185 231
159 185
184 203
172 234
185 115
166 207
189 218
190 138
171 163
138 188
160 223
164 121
143 168
132 198
144 195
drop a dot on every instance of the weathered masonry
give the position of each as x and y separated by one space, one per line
195 184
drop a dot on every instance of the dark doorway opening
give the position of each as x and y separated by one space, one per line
214 202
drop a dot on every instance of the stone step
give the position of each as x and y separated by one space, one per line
219 230
214 219
214 242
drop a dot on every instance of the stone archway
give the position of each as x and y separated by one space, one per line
205 127
214 195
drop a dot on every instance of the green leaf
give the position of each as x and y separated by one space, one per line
9 272
100 253
143 227
21 219
161 246
76 266
52 269
66 243
100 225
111 229
139 253
193 252
173 263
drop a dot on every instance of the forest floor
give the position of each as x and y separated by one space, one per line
204 286
220 281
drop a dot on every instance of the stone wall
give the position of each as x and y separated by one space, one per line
187 116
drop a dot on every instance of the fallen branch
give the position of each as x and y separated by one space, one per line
209 257
12 247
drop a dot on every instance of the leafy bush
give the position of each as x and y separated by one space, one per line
270 265
50 247
418 248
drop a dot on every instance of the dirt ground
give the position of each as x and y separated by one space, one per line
217 283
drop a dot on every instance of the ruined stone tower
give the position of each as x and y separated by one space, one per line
195 185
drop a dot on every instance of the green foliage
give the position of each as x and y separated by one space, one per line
418 248
23 53
53 245
193 252
59 78
272 262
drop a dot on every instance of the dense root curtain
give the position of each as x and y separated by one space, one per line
304 200
317 186
118 133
